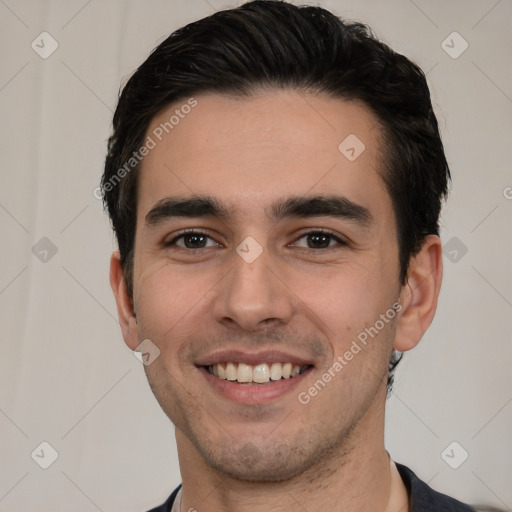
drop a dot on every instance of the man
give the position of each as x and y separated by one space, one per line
274 180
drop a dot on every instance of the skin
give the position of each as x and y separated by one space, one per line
313 302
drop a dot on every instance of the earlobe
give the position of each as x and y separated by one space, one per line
125 309
419 294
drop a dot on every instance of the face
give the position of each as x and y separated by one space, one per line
262 245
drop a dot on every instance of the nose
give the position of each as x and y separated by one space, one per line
254 296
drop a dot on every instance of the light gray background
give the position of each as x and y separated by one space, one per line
66 376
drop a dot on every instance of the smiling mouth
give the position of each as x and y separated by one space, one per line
264 373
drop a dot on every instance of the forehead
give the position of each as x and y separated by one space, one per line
251 150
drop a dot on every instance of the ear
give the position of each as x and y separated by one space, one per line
125 311
418 296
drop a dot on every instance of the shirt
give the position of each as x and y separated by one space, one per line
421 497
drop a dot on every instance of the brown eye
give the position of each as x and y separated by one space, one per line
192 240
318 240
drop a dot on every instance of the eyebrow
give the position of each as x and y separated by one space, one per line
322 206
170 207
299 207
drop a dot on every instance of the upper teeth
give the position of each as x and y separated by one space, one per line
260 373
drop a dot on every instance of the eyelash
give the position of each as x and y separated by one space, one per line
182 234
320 231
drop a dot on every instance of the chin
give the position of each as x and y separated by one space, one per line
265 461
250 463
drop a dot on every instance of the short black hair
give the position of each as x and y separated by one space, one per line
270 44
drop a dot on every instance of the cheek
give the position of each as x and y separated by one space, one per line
171 302
345 299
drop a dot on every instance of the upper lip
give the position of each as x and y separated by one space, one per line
251 358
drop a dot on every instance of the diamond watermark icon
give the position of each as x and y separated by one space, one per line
455 249
146 352
351 147
454 45
44 45
44 249
249 249
454 455
44 455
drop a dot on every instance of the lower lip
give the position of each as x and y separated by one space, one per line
253 393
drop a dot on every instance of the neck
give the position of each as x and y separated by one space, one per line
355 477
